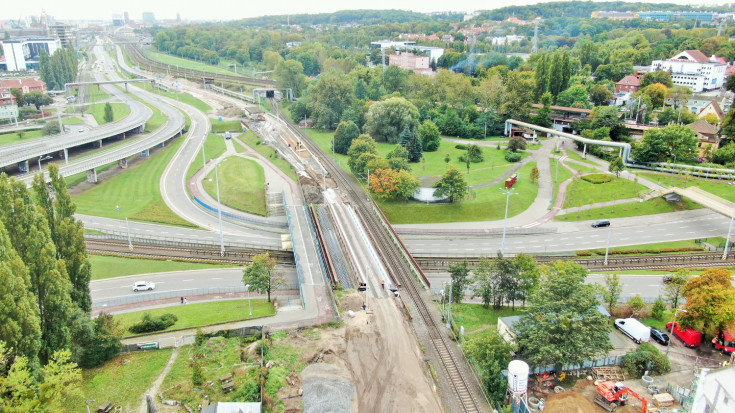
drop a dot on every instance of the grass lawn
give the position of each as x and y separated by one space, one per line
214 146
253 141
186 63
578 157
7 138
122 383
109 267
239 148
583 169
287 359
630 209
560 174
194 315
72 180
183 97
657 245
119 111
715 186
221 126
659 324
97 94
484 204
242 185
581 192
72 121
136 191
475 318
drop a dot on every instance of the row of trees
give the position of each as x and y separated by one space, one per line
59 68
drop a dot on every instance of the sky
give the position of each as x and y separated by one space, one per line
238 9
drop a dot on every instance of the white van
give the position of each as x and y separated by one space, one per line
634 329
228 135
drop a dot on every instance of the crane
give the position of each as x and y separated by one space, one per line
611 395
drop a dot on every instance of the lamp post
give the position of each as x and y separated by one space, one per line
727 240
444 296
247 288
673 326
219 213
204 157
449 313
607 247
127 226
508 193
43 158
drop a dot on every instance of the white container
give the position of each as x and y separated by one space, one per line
518 376
634 329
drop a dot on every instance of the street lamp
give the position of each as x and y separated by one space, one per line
43 158
247 288
673 326
449 313
729 232
508 193
219 212
607 248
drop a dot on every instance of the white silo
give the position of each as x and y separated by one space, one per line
518 377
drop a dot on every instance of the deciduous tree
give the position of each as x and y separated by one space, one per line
491 354
392 184
616 166
460 274
108 116
262 276
675 285
290 75
429 136
362 146
659 145
344 135
452 185
710 301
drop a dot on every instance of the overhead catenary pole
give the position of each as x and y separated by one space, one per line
607 247
219 214
508 193
729 233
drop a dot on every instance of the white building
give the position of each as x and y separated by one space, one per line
433 52
714 392
502 40
409 61
22 54
693 69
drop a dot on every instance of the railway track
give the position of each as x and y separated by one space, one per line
401 274
137 56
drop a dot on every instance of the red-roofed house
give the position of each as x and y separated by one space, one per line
693 69
27 84
629 83
707 134
712 108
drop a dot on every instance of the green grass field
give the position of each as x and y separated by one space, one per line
194 315
186 63
239 148
253 141
119 111
485 205
73 120
659 324
559 174
630 209
242 185
222 126
581 192
214 146
72 180
109 267
578 157
581 168
97 94
183 97
121 383
475 318
657 245
718 187
8 138
136 191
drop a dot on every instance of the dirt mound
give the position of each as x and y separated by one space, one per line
352 302
570 402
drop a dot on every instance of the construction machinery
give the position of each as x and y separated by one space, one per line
611 395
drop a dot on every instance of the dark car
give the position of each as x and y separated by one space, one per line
661 337
601 223
667 278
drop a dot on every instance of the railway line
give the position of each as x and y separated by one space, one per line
137 56
402 275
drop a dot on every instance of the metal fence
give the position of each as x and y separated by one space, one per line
681 394
241 218
162 295
293 246
169 241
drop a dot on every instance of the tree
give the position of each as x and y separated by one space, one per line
37 99
516 143
109 116
491 354
262 276
50 128
290 75
659 145
392 184
344 135
636 305
657 92
18 96
450 123
710 301
724 155
385 120
616 166
659 76
527 276
460 274
600 95
95 341
414 147
658 309
534 174
398 159
452 185
328 98
271 59
20 325
543 117
429 136
542 76
645 358
675 285
518 96
484 284
563 324
363 145
608 117
575 96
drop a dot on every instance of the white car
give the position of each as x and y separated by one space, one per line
143 285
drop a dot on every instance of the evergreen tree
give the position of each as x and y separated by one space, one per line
414 148
108 116
405 137
20 326
67 234
45 69
30 236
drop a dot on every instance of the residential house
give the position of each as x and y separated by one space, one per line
712 108
26 84
708 135
630 83
8 107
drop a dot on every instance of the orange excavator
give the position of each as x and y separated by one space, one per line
611 395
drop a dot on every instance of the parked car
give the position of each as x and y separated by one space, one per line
667 278
634 329
228 135
143 286
601 223
690 337
660 337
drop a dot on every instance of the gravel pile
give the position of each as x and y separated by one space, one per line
326 389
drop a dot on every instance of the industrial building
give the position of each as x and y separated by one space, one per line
693 69
24 54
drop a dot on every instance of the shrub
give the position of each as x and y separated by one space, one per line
197 377
50 128
461 146
645 358
516 143
512 156
149 324
658 309
583 253
597 178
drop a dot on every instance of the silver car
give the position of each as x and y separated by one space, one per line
143 285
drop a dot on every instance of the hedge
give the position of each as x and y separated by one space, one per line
587 253
150 324
512 156
597 178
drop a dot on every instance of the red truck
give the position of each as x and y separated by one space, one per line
690 336
725 341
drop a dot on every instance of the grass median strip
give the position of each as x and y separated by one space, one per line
242 185
195 315
119 111
719 187
104 266
630 209
214 146
15 137
252 140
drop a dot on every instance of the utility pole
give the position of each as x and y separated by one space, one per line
508 193
729 232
